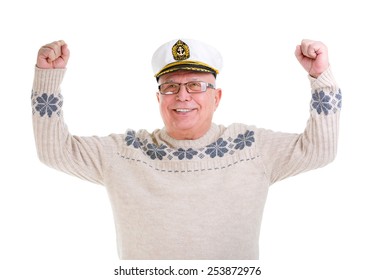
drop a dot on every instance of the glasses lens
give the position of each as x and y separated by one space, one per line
196 86
169 88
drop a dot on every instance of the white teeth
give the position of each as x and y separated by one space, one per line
183 110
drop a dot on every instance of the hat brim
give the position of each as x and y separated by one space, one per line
187 65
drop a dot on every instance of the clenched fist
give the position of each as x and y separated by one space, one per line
313 56
53 56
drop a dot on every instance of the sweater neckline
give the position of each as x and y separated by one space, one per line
208 138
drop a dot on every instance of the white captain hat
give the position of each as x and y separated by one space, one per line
186 54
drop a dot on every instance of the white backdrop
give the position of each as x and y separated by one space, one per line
318 225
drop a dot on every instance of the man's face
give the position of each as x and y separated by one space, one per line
188 115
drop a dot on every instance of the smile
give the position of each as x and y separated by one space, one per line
183 110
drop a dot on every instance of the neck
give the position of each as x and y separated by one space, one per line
191 141
186 135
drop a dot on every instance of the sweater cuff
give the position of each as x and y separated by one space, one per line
48 80
325 80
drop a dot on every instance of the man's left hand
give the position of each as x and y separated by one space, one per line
313 56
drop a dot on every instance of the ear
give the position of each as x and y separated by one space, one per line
158 97
217 97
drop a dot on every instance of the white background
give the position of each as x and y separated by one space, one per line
318 225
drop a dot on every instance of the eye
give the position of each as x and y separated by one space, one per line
195 86
169 88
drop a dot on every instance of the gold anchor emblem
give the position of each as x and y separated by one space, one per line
180 50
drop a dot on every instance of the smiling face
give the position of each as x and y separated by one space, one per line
185 115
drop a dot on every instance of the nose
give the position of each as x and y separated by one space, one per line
183 94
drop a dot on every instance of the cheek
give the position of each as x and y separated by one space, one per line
211 104
163 106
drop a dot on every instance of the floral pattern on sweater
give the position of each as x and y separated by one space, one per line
219 148
326 102
46 104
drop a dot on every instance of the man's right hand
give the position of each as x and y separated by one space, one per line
53 56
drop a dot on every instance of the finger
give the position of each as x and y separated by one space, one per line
55 44
307 48
298 53
47 53
65 52
55 49
312 49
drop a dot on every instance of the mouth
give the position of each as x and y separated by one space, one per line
183 110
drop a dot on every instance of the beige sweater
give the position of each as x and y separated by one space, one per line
192 199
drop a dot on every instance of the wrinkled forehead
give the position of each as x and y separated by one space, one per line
185 75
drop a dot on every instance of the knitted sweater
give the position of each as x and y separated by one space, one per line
186 199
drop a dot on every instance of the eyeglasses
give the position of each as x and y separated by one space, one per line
191 87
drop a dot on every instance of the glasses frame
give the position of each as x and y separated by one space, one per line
207 85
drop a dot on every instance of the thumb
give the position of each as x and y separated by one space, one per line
298 53
65 52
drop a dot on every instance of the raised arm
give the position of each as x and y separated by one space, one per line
84 157
287 154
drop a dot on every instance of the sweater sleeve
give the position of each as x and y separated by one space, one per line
286 154
84 157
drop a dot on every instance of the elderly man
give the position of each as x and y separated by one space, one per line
193 189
